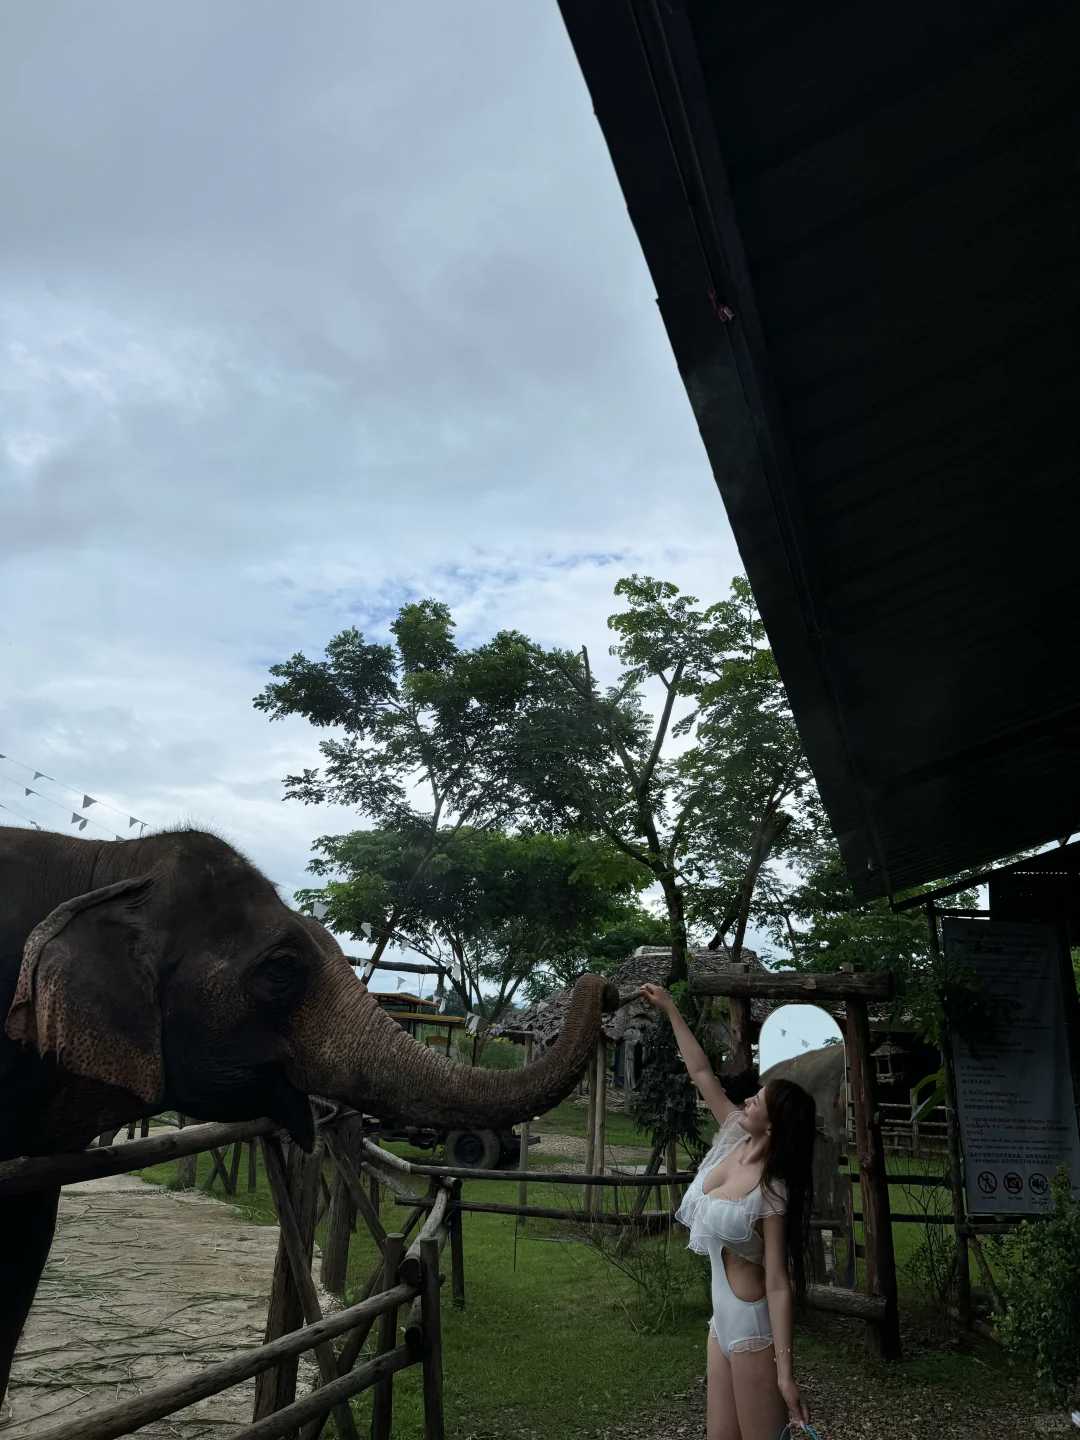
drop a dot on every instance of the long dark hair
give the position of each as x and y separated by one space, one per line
790 1158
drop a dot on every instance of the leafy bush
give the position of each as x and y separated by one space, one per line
665 1101
666 1277
1041 1284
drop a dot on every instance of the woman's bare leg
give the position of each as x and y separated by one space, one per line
721 1418
758 1403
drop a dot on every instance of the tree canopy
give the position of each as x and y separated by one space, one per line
708 792
503 912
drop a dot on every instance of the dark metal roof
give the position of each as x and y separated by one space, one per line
863 226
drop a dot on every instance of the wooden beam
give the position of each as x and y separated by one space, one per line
846 1302
741 1055
543 1212
956 1159
430 1314
434 1228
407 967
379 1371
523 1146
299 1247
880 1257
382 1415
457 1253
277 1388
544 1177
27 1174
798 985
355 1187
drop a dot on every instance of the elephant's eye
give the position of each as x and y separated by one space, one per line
279 976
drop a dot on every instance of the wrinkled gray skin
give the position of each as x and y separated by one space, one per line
821 1072
166 973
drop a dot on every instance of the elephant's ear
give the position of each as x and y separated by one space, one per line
87 990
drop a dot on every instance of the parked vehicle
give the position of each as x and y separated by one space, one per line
472 1149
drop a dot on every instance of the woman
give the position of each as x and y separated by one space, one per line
748 1209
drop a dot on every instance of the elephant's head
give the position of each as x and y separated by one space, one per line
193 986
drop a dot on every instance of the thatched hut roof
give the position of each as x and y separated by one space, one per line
649 963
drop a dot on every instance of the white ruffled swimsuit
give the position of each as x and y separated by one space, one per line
717 1225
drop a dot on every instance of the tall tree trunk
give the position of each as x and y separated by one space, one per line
677 921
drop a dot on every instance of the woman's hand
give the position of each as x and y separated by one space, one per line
657 996
798 1412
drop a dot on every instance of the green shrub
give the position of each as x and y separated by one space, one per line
668 1282
1041 1284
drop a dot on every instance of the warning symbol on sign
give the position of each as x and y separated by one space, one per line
987 1182
1039 1184
1013 1183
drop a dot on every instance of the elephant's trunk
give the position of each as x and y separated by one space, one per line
353 1051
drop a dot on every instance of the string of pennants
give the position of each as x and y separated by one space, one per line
78 819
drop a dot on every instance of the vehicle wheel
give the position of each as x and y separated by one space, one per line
473 1149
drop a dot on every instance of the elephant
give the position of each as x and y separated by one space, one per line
822 1072
166 972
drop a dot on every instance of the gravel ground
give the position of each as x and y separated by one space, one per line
143 1286
851 1398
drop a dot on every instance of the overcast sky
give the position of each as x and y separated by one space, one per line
306 311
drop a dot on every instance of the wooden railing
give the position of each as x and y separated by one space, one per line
295 1322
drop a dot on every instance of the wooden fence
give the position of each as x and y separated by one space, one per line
295 1323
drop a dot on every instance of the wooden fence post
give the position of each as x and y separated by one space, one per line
590 1135
382 1416
234 1168
339 1229
956 1164
523 1147
599 1116
276 1388
434 1419
740 1050
187 1166
457 1257
253 1164
874 1181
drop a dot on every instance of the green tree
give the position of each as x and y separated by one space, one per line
707 792
630 927
503 912
427 730
822 928
758 809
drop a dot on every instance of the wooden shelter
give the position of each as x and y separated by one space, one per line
862 232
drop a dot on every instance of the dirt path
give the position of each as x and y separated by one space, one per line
143 1285
573 1148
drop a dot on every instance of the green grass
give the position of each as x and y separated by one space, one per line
571 1119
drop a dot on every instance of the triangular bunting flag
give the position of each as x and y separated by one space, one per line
75 817
28 791
40 775
35 824
82 824
120 837
132 821
87 801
